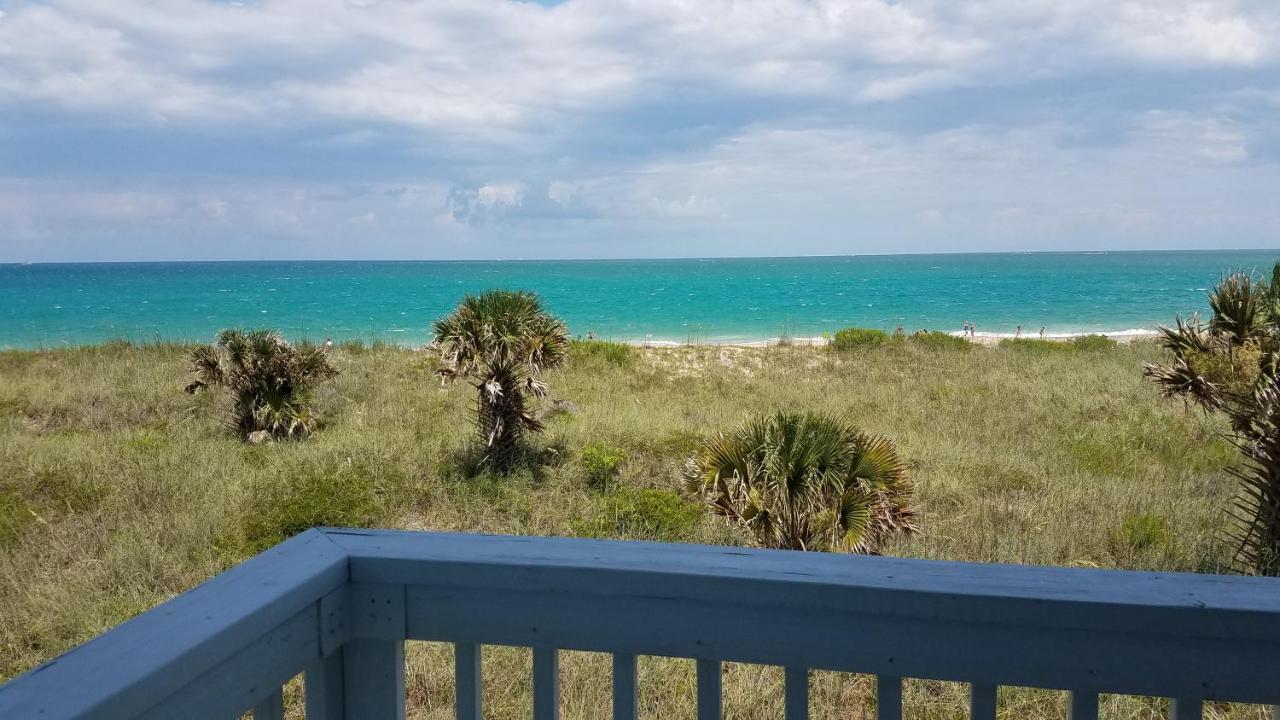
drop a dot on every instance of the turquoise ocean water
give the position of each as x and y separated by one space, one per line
677 300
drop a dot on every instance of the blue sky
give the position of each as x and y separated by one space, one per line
192 129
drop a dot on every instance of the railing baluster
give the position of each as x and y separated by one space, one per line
323 687
467 688
1082 705
373 671
1186 709
888 697
982 702
710 704
271 707
797 693
624 687
546 683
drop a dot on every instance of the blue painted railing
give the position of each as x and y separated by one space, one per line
338 605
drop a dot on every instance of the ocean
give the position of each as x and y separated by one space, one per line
712 300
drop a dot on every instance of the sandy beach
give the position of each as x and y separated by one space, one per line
980 338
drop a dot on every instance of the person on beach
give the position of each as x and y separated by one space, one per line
1041 332
1017 333
328 344
899 332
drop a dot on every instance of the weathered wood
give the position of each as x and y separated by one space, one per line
546 683
467 695
982 702
796 705
335 620
1186 709
246 678
624 686
1159 600
377 610
340 604
272 708
1082 705
323 686
710 691
1109 631
373 674
888 697
145 661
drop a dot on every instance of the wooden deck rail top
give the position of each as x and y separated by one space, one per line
339 604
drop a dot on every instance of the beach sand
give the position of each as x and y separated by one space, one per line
981 338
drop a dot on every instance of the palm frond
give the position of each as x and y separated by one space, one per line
268 379
503 340
804 482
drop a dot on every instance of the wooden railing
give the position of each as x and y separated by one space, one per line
339 605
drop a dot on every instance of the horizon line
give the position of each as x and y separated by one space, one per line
643 259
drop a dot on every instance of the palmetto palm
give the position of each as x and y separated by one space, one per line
805 482
269 380
502 340
1230 366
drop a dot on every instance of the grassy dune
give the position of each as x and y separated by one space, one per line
117 490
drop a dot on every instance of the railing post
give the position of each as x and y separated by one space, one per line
546 683
888 697
797 693
1082 705
1186 709
710 697
468 700
322 685
982 702
271 708
624 687
373 671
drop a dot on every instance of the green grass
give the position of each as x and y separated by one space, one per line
603 351
1080 343
602 462
850 338
117 490
940 341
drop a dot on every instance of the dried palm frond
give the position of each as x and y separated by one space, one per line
269 380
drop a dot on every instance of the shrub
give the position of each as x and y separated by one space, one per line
615 353
1139 533
280 507
1092 342
851 338
1080 343
805 482
269 380
935 340
602 462
502 341
642 514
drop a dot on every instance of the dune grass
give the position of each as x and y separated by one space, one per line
117 490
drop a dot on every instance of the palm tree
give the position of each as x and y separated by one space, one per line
502 340
805 482
269 380
1229 366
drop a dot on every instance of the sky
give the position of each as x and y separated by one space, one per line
394 129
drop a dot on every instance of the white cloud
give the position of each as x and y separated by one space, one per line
493 65
469 126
